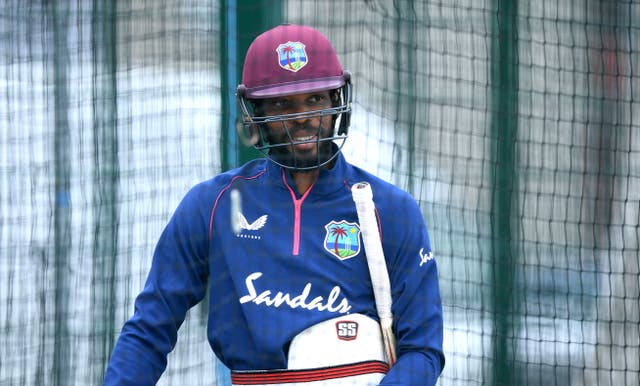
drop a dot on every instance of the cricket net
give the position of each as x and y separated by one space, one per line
514 124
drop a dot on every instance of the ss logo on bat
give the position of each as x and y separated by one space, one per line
347 330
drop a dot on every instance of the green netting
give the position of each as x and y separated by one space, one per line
514 124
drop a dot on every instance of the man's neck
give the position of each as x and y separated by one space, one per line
304 180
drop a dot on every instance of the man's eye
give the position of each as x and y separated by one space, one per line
316 99
277 104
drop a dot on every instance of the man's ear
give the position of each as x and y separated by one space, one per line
249 134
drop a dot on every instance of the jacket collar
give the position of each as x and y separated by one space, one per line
329 180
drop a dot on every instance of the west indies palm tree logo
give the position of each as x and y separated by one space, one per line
342 239
292 56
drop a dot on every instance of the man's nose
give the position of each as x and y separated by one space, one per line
298 108
300 117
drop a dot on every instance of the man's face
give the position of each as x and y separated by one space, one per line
300 135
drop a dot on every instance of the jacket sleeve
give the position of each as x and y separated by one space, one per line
417 307
176 282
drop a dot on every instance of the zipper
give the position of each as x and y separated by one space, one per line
297 209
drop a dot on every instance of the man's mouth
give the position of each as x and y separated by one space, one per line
304 139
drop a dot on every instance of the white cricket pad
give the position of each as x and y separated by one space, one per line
346 351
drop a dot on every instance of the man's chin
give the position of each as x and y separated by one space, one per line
301 163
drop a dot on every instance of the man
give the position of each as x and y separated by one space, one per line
277 243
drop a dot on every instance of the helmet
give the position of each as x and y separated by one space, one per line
287 60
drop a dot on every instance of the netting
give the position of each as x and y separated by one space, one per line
108 116
514 124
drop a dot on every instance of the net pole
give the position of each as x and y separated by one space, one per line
229 79
606 136
58 16
406 97
241 21
504 130
105 190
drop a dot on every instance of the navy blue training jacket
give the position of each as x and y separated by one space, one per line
296 260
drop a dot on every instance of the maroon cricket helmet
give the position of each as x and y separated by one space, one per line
286 60
290 59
